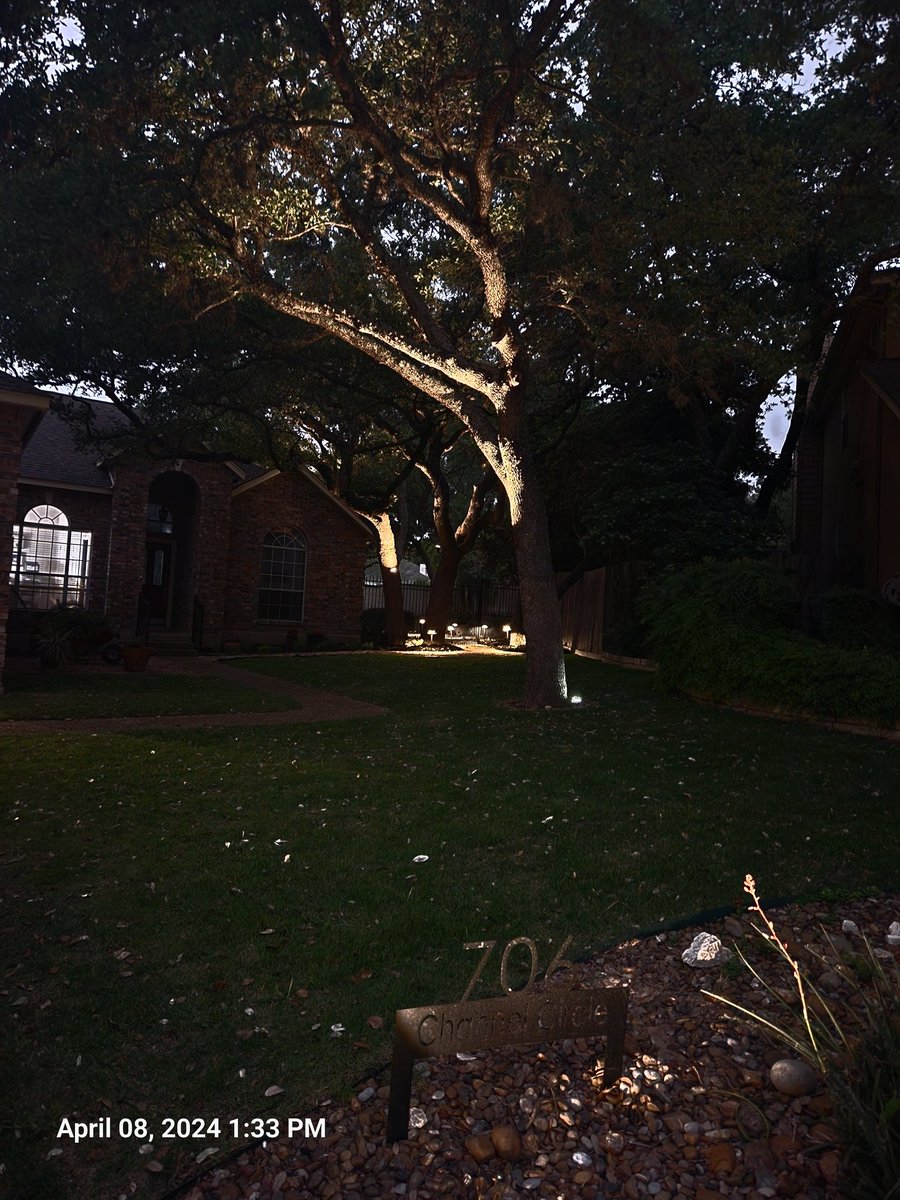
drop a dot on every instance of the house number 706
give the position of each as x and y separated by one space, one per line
557 964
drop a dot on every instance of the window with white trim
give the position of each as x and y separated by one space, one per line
50 562
282 577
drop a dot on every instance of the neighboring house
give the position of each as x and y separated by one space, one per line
202 551
410 572
847 463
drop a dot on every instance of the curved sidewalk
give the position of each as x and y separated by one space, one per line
314 705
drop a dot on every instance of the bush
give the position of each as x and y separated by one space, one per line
857 1049
374 627
68 630
856 620
726 631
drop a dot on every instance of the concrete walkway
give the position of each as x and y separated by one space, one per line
314 705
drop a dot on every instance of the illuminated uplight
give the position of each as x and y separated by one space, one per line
575 699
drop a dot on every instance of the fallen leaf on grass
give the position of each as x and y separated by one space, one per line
361 975
375 1022
275 1090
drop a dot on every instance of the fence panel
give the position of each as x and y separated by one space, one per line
478 603
581 611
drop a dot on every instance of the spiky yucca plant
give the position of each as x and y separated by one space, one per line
856 1048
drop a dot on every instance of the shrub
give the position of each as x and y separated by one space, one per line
80 629
374 626
725 631
856 620
857 1050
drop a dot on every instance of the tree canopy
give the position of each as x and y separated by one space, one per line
500 206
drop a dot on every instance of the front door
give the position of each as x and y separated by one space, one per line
157 579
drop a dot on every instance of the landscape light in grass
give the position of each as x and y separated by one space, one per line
575 699
507 629
431 633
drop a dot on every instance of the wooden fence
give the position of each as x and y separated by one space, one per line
597 613
581 611
478 603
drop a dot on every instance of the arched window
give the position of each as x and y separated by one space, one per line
282 577
46 514
50 561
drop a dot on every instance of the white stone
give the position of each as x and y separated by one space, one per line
849 927
705 950
793 1077
893 934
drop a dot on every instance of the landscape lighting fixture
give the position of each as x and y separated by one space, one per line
575 700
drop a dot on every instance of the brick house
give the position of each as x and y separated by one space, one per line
847 464
179 551
21 408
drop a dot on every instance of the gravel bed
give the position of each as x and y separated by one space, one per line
694 1115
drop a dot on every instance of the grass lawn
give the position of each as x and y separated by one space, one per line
185 915
35 695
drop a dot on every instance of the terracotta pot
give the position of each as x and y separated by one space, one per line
135 658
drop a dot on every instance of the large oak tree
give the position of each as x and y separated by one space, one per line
292 153
457 191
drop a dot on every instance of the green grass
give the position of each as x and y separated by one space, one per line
116 693
173 846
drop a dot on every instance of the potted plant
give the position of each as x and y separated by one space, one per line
136 656
54 645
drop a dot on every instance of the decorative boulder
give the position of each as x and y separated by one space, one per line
793 1077
706 950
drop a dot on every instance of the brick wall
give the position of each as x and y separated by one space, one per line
336 554
203 550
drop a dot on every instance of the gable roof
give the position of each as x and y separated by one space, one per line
59 451
69 453
261 475
848 345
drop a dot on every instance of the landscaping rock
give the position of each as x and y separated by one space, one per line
507 1142
706 950
793 1077
481 1147
694 1116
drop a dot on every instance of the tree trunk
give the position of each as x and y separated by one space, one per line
545 668
440 597
389 564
